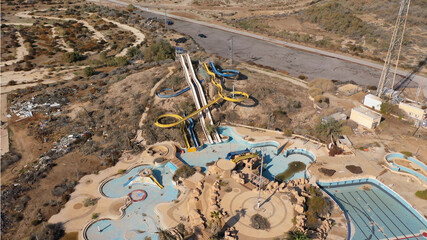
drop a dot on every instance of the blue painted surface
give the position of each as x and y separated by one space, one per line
276 163
378 213
140 220
192 133
224 72
231 154
174 94
397 167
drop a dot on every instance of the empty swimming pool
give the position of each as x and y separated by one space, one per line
376 212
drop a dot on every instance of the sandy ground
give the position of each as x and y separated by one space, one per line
98 35
140 37
21 51
36 76
4 125
62 44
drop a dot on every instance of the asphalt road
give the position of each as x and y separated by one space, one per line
295 59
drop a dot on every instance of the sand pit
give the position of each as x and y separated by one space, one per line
78 206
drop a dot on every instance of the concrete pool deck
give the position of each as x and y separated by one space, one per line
76 217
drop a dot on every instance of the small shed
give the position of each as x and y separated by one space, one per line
365 117
373 101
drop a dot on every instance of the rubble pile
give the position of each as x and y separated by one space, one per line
42 103
11 195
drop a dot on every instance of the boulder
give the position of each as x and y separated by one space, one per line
299 209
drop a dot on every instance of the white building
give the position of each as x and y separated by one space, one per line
372 101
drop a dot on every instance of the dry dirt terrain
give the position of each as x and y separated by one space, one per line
75 113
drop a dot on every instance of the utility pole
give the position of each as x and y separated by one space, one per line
260 180
387 81
230 48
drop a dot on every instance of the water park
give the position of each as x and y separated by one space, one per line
245 181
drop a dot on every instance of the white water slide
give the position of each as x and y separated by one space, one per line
202 96
195 98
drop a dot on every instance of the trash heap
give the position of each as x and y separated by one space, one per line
12 193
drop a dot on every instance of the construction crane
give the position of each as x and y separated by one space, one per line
388 78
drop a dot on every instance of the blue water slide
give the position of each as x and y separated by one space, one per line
230 154
174 94
224 72
130 180
192 134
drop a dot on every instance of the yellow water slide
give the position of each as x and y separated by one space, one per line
240 158
180 119
155 180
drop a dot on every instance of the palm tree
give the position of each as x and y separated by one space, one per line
297 235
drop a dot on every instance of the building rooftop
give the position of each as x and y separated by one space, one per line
367 112
373 97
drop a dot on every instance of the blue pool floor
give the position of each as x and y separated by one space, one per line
377 215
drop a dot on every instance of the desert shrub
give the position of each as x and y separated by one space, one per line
95 215
88 71
336 18
313 92
421 194
121 171
132 52
407 153
90 202
35 222
324 130
161 50
260 222
50 232
9 158
12 83
297 235
324 85
211 127
317 207
346 130
71 57
184 171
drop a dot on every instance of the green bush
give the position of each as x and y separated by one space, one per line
422 194
324 130
334 17
71 57
407 154
184 172
260 222
89 71
95 215
161 50
297 235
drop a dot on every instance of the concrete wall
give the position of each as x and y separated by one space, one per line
364 120
412 111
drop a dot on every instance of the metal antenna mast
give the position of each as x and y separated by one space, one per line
393 54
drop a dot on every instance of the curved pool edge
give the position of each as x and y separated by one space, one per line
378 184
389 158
